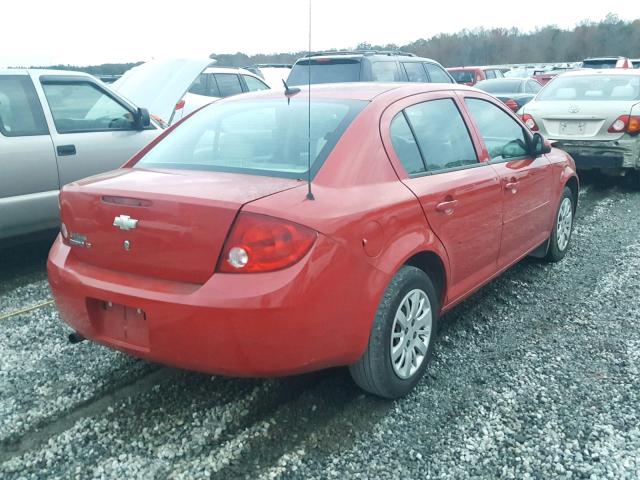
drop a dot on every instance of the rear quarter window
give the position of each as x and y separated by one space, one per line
333 70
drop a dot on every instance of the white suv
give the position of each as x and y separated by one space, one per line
217 82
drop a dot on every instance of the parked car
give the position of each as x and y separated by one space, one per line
272 73
215 83
514 92
594 115
60 126
209 250
366 66
472 75
545 76
607 62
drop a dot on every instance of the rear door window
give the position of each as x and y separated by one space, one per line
84 107
405 146
415 72
503 136
20 110
228 84
437 73
442 136
385 72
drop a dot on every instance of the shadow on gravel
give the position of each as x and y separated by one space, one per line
24 260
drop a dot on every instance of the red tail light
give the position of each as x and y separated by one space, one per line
512 104
530 122
180 104
626 123
259 243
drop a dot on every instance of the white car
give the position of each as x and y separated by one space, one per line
594 115
214 83
59 126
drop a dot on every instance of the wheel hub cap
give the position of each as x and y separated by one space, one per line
565 222
410 333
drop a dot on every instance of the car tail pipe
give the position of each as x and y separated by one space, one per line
75 337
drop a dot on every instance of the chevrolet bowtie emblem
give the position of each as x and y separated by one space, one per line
125 222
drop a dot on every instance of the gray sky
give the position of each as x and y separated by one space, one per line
87 32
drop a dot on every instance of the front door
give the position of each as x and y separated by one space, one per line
526 180
92 130
460 196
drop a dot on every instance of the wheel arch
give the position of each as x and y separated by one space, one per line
430 263
572 183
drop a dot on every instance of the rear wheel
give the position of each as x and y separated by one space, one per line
402 336
563 226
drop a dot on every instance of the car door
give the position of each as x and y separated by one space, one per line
437 160
93 131
526 179
28 171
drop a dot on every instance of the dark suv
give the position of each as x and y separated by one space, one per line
366 66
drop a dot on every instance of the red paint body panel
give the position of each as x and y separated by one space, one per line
162 300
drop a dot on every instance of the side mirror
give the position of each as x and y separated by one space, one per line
540 145
141 118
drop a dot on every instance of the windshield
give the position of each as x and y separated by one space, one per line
325 70
593 88
462 76
261 137
500 86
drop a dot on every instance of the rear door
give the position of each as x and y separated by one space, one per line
426 137
92 130
28 171
526 180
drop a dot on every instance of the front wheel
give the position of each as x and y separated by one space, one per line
563 226
402 336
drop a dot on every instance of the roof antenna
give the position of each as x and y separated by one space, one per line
309 193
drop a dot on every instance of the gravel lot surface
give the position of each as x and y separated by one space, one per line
537 376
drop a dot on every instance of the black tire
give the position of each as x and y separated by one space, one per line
374 371
555 252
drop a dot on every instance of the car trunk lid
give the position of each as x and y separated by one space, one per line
158 85
566 120
163 224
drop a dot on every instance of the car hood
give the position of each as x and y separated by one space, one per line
158 85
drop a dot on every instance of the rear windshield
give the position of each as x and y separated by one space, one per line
599 64
593 88
463 76
261 137
333 70
499 86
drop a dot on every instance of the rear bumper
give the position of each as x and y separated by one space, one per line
313 315
617 154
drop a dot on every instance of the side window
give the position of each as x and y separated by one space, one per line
437 74
533 87
385 72
20 110
489 74
84 107
442 135
228 83
253 84
404 143
503 136
499 74
199 86
415 72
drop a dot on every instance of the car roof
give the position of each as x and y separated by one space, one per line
228 70
363 90
42 71
470 68
604 71
391 55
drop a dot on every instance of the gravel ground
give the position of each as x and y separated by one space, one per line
536 376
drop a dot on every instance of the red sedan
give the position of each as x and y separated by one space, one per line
205 251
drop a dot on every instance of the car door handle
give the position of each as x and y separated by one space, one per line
447 207
512 185
66 150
